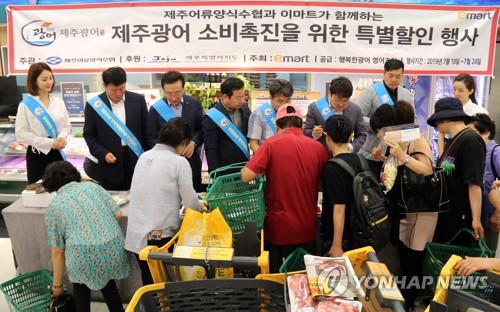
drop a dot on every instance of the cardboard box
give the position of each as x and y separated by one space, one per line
31 199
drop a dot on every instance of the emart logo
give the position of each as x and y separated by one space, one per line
475 16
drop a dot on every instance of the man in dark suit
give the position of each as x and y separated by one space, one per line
220 149
336 103
116 160
184 106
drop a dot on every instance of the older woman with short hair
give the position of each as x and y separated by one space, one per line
82 228
161 184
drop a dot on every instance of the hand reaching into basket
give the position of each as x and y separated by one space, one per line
470 265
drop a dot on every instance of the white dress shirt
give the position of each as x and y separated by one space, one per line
29 130
119 110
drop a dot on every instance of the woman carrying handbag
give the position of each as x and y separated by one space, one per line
463 160
415 229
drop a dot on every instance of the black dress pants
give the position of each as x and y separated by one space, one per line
92 170
195 163
127 170
147 279
37 162
81 294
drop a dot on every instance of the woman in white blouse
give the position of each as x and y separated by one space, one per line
161 183
44 147
464 89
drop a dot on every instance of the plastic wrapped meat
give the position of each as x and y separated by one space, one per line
332 277
335 306
300 294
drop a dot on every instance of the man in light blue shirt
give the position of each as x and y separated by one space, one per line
261 124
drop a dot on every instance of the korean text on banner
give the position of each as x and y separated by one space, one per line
257 36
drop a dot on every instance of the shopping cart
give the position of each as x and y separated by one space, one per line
238 201
227 294
368 269
465 293
248 252
267 292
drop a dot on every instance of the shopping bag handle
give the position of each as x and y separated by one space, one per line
482 245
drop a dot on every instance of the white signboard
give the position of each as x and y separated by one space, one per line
253 36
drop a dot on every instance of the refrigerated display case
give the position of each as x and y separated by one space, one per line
13 172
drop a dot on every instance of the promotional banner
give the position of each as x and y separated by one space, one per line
253 36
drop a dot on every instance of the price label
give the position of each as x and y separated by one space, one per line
385 281
402 133
202 253
410 134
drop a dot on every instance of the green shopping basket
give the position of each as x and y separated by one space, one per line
294 261
238 201
438 254
29 292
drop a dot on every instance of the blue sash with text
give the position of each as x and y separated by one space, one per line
383 95
324 108
116 124
44 117
164 109
269 114
230 130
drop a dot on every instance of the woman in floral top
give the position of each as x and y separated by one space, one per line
83 230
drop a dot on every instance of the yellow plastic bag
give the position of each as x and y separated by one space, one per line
204 229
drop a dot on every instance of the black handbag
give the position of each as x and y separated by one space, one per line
423 193
62 303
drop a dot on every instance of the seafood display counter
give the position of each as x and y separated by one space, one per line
13 177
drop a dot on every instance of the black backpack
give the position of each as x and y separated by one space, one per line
369 219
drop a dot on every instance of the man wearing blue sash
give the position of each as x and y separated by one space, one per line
336 103
387 91
225 127
115 129
261 125
177 104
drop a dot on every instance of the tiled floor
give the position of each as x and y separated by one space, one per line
8 272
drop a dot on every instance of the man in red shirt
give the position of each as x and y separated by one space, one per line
293 164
